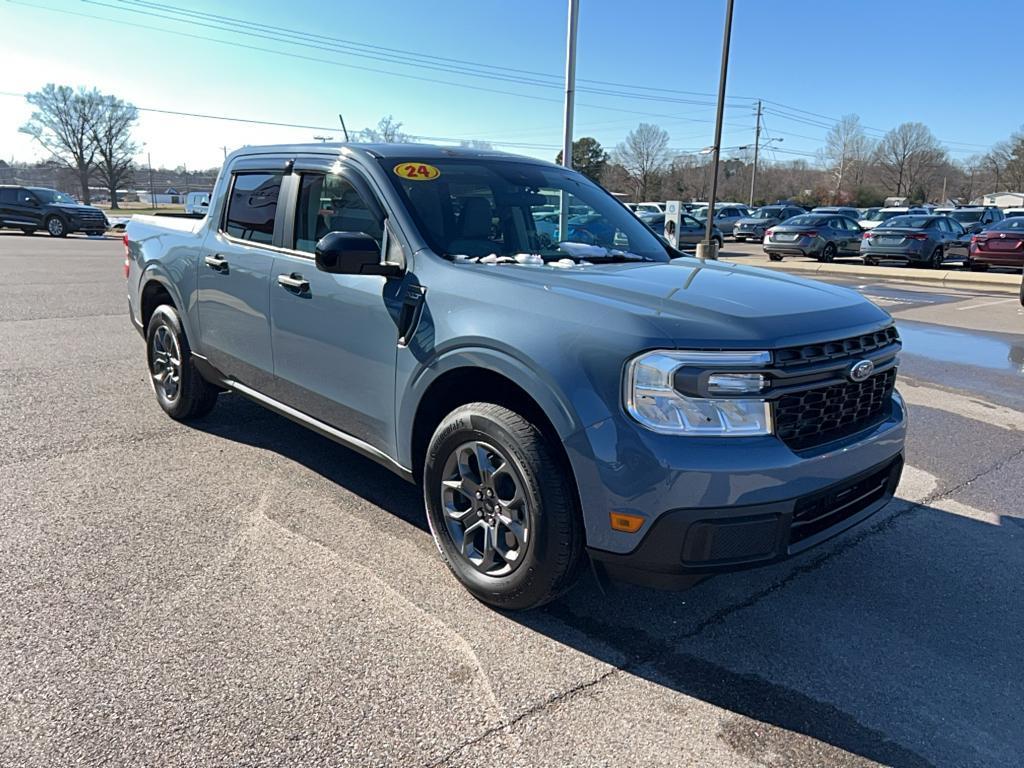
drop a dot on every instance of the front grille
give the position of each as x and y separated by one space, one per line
818 512
817 416
834 350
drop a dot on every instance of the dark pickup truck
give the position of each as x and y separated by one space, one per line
593 398
32 208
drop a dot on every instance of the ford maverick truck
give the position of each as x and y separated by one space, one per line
564 387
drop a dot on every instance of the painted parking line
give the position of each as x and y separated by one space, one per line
985 304
961 405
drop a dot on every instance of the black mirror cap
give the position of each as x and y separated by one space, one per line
351 253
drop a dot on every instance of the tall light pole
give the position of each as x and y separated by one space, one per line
708 245
570 99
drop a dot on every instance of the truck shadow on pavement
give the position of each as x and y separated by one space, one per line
898 642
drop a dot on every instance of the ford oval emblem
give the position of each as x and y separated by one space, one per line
861 370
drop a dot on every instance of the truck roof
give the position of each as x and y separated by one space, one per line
382 150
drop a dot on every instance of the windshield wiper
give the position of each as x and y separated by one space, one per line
598 253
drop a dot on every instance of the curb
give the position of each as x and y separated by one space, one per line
1001 282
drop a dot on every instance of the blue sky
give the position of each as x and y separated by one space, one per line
812 62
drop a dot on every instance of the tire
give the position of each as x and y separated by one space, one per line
828 253
775 256
179 389
718 244
94 234
56 226
739 239
974 266
936 259
542 560
870 262
28 230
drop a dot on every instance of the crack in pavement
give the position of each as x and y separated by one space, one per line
538 707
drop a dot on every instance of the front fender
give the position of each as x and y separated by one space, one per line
533 379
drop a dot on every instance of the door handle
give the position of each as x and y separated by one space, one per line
294 282
216 262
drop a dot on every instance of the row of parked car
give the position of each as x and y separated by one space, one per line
980 236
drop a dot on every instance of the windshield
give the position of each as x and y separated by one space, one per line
1008 225
883 215
807 220
967 217
482 207
766 213
908 222
51 195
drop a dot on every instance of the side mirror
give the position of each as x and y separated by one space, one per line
351 253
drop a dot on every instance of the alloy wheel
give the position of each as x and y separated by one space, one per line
55 227
165 363
485 509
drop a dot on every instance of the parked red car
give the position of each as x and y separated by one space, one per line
1000 245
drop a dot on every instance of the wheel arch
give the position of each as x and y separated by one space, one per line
155 289
464 383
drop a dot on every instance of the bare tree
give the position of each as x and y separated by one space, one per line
388 131
112 136
644 155
62 124
847 148
907 157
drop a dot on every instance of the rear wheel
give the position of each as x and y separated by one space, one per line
974 266
718 244
500 508
56 227
935 260
28 230
828 253
180 390
870 261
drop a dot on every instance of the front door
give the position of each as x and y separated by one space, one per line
335 336
234 279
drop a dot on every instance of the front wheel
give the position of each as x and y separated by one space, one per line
718 244
180 390
56 227
500 508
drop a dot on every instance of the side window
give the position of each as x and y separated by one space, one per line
8 195
253 206
944 225
330 203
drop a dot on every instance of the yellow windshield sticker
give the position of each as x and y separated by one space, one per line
417 171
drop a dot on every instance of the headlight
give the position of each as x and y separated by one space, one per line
652 399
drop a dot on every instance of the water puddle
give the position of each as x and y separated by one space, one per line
962 347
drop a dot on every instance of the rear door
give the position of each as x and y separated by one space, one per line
335 337
24 208
234 273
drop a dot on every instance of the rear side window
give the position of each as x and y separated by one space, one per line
253 206
8 195
331 204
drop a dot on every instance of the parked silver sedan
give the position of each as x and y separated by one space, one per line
919 240
818 236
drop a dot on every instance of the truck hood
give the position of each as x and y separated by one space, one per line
695 304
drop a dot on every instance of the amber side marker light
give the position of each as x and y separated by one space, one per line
626 523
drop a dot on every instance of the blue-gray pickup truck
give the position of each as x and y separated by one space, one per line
566 390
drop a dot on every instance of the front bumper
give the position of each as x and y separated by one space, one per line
686 545
676 483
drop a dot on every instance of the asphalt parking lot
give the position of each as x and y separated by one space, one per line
243 592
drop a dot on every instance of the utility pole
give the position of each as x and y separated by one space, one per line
570 101
152 193
757 146
225 152
708 244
